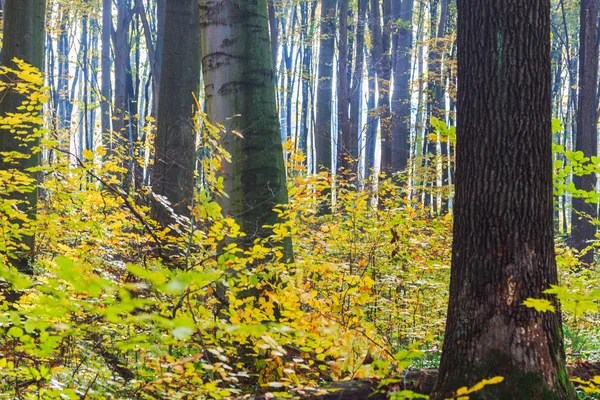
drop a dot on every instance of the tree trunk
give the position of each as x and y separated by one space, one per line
324 86
382 55
240 95
105 119
63 103
356 88
401 96
582 229
346 161
372 113
24 40
503 248
175 142
119 142
306 78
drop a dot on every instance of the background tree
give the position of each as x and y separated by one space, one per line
401 97
503 242
583 231
23 39
240 95
323 148
175 143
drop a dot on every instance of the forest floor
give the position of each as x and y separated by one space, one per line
418 381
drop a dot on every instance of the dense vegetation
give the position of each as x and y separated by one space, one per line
241 240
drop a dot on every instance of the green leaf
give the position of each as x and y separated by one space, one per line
15 332
557 125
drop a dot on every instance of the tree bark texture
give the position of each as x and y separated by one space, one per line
582 229
175 143
240 95
503 249
24 29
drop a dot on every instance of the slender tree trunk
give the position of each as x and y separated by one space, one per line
383 84
401 96
175 142
373 113
24 40
356 87
430 145
121 123
503 248
345 159
83 128
306 79
63 71
240 95
324 86
583 231
105 91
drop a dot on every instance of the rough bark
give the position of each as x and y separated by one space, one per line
582 229
503 248
400 108
240 95
23 39
175 142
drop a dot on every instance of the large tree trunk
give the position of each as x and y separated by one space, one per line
401 95
503 249
240 95
324 86
582 229
175 143
24 40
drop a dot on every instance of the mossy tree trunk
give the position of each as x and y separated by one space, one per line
503 249
583 231
175 143
24 29
240 95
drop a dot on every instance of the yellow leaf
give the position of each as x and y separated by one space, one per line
540 305
87 155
